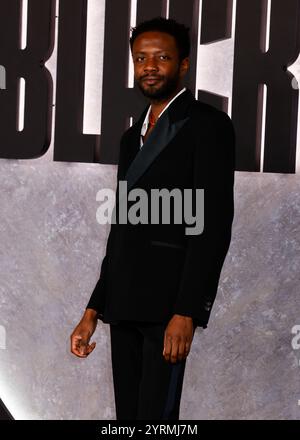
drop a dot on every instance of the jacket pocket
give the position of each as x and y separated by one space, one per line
166 244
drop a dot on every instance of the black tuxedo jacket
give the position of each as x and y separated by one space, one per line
152 271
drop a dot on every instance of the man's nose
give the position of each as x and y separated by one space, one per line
150 65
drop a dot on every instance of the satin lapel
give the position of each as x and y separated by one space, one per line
159 138
132 145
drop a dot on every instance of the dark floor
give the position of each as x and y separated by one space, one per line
4 413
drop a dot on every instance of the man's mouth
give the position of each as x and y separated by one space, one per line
151 80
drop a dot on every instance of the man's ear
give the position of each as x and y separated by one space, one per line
184 66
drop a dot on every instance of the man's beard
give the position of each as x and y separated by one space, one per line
162 92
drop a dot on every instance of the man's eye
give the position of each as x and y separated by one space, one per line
139 59
164 57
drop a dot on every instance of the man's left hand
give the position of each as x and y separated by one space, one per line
178 338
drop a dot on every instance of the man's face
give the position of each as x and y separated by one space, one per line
157 68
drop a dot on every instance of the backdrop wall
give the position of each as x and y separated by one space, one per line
51 246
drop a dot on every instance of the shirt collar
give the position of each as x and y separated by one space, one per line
146 121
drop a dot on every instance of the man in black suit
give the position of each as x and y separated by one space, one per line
158 281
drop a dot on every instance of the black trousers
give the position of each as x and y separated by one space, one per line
145 385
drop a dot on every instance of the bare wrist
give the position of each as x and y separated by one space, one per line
184 316
90 313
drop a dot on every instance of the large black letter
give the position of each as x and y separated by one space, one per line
71 144
34 139
254 67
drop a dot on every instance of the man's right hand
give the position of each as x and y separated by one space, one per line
82 333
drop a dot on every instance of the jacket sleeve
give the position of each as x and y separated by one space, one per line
206 252
97 299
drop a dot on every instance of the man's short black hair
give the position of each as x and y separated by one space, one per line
179 31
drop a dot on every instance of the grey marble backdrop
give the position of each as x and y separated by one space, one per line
241 367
